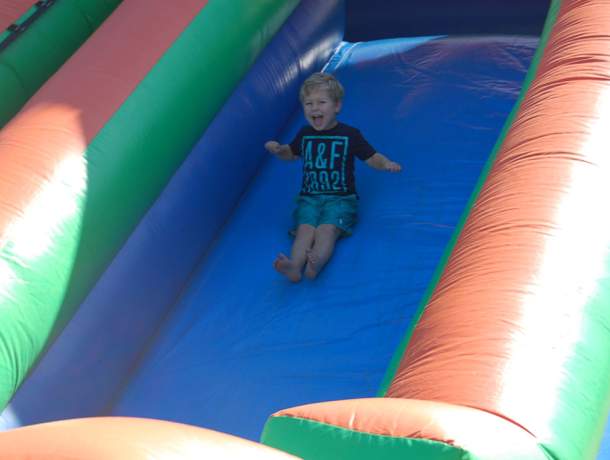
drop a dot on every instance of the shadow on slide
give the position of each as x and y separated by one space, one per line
243 342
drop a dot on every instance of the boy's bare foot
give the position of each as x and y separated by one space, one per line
311 268
284 265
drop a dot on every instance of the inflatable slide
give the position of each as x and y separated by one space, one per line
467 317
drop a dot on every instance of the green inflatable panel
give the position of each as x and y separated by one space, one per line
128 163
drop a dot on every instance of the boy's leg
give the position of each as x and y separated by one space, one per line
292 267
324 244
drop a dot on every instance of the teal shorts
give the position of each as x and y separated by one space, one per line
338 210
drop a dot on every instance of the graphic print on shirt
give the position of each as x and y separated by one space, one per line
325 165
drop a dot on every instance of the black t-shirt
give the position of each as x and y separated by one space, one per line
328 158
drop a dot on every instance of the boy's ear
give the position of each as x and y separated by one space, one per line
339 106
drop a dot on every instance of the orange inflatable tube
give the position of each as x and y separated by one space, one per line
127 438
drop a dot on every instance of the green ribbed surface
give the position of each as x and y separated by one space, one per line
128 164
583 396
44 46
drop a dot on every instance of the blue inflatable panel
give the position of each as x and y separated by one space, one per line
367 20
244 342
84 369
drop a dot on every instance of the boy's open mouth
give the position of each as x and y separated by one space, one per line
318 120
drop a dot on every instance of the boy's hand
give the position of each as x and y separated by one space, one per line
381 162
283 152
272 147
392 166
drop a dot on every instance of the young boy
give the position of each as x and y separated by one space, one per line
327 204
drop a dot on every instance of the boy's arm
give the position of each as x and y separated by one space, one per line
381 162
282 151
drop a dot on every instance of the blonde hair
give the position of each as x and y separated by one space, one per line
324 81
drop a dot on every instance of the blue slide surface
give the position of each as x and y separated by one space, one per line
243 342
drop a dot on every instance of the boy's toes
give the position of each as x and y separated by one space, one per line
281 258
310 271
283 265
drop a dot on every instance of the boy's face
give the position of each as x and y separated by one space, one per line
320 109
